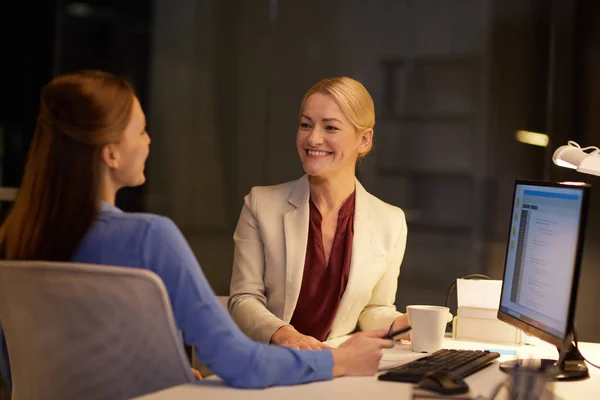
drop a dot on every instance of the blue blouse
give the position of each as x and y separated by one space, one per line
155 243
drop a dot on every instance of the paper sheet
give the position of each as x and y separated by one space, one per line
400 352
478 293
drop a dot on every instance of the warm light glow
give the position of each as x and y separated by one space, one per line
565 164
533 138
574 183
81 10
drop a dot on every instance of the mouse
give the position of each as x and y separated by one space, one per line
443 382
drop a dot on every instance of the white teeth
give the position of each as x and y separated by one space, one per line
317 153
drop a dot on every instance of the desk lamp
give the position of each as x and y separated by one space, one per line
571 155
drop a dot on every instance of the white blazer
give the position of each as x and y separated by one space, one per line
270 249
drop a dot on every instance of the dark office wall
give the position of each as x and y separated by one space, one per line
64 36
17 116
518 85
574 116
588 121
31 56
544 78
38 35
113 36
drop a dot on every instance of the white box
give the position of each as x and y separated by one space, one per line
485 330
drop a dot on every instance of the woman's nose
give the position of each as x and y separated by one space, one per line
315 138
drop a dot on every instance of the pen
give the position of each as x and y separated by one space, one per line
391 335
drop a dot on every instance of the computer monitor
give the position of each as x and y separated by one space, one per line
541 271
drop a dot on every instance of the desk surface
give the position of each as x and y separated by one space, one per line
346 388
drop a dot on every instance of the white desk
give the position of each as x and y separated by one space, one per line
347 388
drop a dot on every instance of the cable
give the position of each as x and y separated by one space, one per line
577 347
469 276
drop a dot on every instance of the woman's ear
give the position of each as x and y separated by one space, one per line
366 141
110 156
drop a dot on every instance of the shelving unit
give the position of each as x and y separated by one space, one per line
426 138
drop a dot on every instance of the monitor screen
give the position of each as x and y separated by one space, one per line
543 255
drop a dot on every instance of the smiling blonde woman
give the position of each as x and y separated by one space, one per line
317 257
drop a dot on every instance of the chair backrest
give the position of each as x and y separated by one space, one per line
81 331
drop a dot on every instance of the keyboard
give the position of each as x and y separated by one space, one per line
459 362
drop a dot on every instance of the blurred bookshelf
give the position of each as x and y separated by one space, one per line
425 164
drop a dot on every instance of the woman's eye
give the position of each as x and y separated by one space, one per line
304 125
331 128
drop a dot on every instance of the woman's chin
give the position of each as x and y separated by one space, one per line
139 181
312 172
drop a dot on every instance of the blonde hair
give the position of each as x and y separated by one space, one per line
352 97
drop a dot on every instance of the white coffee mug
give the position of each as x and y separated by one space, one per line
428 326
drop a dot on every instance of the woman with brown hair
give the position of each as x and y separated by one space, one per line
89 142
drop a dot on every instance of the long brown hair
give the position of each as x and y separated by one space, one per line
58 199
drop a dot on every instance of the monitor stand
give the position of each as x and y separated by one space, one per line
569 367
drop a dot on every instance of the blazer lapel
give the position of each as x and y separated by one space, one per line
295 225
362 253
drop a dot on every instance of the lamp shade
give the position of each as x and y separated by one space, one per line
586 160
569 156
591 164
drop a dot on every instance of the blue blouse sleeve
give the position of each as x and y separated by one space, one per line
219 343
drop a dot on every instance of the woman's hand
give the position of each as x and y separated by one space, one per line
290 337
196 374
360 355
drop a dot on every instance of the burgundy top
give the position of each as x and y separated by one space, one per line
323 284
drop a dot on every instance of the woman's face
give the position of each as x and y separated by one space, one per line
326 140
131 152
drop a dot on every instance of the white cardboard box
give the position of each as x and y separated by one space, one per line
485 330
476 316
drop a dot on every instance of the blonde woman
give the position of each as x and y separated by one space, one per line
319 257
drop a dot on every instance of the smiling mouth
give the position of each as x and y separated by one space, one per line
318 153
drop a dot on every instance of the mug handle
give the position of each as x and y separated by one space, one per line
450 317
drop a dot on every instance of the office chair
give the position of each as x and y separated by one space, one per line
80 331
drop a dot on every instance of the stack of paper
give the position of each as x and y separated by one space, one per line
478 298
476 317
